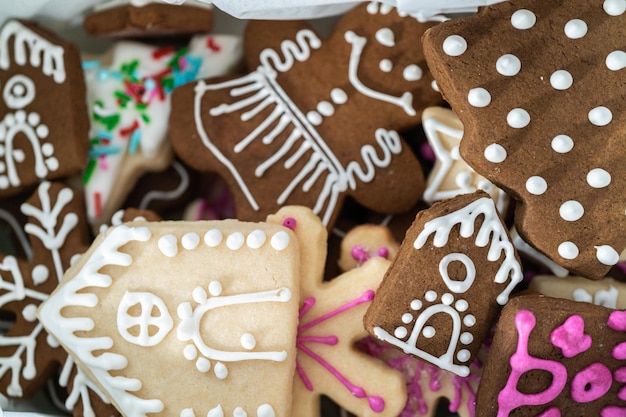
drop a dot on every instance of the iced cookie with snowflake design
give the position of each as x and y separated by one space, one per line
606 292
546 124
451 175
331 313
315 121
43 121
455 270
57 233
148 18
555 357
213 304
129 92
364 242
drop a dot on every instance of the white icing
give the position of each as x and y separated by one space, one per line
479 97
568 250
606 298
215 288
616 60
235 240
416 305
466 338
385 65
463 355
523 19
508 65
518 118
29 313
447 299
248 341
536 185
325 108
400 332
457 286
221 372
606 255
168 245
338 96
535 255
430 296
256 239
265 410
561 80
454 45
168 195
412 73
461 305
598 178
429 332
300 50
40 274
562 144
213 238
614 7
190 352
407 318
190 240
575 29
19 92
495 153
145 321
600 116
280 240
385 37
469 320
203 365
314 118
571 210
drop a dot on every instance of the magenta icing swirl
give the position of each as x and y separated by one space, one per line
570 337
376 403
598 377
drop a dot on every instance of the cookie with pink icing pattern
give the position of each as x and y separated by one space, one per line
544 117
554 357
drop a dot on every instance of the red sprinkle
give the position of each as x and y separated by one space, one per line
129 130
97 199
290 223
159 53
213 45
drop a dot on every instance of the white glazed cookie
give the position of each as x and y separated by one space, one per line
214 305
606 292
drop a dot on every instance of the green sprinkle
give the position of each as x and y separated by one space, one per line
91 167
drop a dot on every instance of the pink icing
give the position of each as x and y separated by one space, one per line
510 397
361 255
376 403
613 411
597 377
551 412
290 223
570 337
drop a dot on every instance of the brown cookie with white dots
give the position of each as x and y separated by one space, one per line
544 115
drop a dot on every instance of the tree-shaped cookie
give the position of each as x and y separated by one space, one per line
331 316
57 231
316 120
43 119
539 87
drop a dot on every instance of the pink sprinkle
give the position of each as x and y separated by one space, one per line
290 223
383 252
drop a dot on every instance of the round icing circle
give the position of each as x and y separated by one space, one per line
280 240
314 118
616 60
508 65
400 332
190 240
213 237
479 97
429 332
518 118
454 45
495 153
575 29
607 255
430 296
412 73
256 239
385 65
600 116
385 37
523 19
568 250
536 185
614 7
338 96
168 245
571 210
561 80
469 320
562 144
407 318
598 178
325 108
235 240
416 305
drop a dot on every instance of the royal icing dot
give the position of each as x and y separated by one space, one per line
461 305
562 144
213 237
248 341
30 313
454 45
536 185
416 305
561 80
518 118
203 365
598 178
190 353
385 65
220 370
235 241
466 338
168 245
40 274
495 153
607 255
385 37
400 332
190 241
463 355
575 29
429 332
430 296
215 288
614 7
256 239
447 299
265 410
479 97
568 250
280 240
523 19
434 86
616 60
338 96
314 118
469 320
571 210
412 73
600 116
508 65
325 108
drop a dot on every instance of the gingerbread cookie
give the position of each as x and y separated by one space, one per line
451 175
57 232
148 18
129 101
543 123
555 357
328 362
315 121
214 304
43 121
606 292
455 269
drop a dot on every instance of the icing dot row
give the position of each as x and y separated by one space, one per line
168 244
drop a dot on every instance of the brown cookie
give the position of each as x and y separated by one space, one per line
455 269
146 18
544 115
315 121
555 357
43 118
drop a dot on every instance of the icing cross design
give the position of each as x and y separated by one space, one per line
314 145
